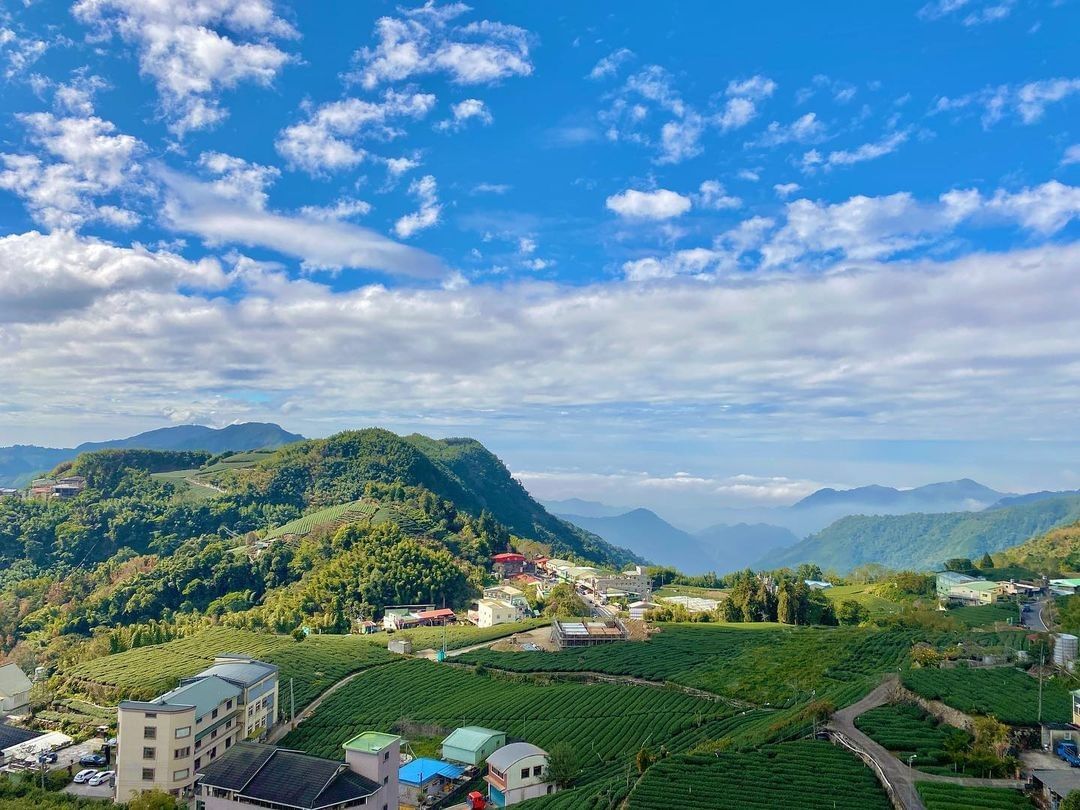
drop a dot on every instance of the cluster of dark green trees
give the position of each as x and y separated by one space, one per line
780 598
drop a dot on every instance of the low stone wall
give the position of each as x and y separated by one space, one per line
946 714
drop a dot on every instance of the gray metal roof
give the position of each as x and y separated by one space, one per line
205 694
241 673
503 758
1060 781
13 680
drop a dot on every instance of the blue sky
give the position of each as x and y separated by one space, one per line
656 254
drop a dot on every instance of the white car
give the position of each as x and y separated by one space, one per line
85 775
102 778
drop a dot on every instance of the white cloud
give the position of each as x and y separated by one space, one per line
19 52
80 161
427 215
979 346
680 139
526 245
654 205
804 129
711 194
693 262
988 12
329 139
319 242
465 111
1026 101
785 190
477 53
868 151
1071 155
238 179
193 50
491 188
610 64
755 88
343 208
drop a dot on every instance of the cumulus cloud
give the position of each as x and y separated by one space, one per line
888 144
712 194
785 190
19 52
970 347
804 129
465 111
427 215
653 205
320 242
426 40
79 161
193 50
329 139
1071 155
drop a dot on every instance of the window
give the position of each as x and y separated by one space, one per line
386 756
537 770
385 779
181 774
150 715
228 742
149 732
183 731
180 753
149 753
228 704
198 762
213 714
148 774
524 773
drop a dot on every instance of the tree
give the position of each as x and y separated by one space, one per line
1071 802
987 562
851 612
643 759
961 565
563 602
154 800
564 764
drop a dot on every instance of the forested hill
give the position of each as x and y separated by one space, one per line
321 472
925 540
20 463
1055 553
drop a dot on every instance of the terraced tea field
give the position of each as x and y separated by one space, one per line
906 729
939 796
330 518
1009 694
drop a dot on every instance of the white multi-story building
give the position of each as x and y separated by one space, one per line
162 743
490 612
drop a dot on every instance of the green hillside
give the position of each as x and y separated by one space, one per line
925 540
1056 552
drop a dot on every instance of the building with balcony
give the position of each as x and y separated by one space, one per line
517 772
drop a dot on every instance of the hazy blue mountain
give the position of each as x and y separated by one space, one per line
924 541
589 509
1032 497
20 463
732 547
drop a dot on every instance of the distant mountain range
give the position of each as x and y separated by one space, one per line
923 541
718 548
23 462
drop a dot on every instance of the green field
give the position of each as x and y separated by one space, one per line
941 796
331 517
606 724
803 774
458 636
186 491
906 729
1009 694
145 672
774 666
985 615
865 595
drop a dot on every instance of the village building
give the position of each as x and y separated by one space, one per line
401 617
976 592
162 743
490 612
512 596
26 743
508 564
14 689
517 772
472 745
639 609
254 775
947 580
423 780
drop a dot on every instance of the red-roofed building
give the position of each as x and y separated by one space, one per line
508 563
436 617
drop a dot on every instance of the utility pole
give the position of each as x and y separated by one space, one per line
292 704
1042 661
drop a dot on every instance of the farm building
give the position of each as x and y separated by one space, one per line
976 592
639 609
508 563
946 580
423 779
490 612
254 775
436 618
472 744
22 743
1065 587
14 689
366 627
517 772
1055 784
587 633
397 617
402 646
694 604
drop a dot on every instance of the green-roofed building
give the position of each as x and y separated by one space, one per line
376 756
472 744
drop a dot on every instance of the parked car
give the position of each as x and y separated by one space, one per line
92 759
84 775
101 778
47 757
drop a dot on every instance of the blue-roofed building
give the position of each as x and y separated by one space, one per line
425 777
162 743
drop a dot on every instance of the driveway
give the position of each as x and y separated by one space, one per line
90 792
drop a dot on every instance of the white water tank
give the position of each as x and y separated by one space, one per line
1065 645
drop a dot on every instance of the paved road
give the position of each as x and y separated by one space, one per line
898 774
